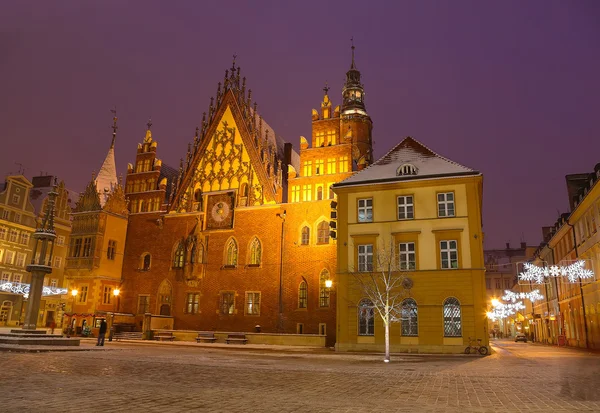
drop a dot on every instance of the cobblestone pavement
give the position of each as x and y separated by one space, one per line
155 378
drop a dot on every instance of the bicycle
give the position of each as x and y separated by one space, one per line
483 350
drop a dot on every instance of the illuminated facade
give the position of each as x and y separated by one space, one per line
424 213
239 236
95 253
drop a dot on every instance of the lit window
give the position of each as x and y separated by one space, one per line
331 137
452 318
331 166
319 139
407 256
365 258
307 168
446 204
409 318
324 292
405 207
252 306
232 253
255 252
83 292
366 318
319 167
449 254
307 192
192 303
179 256
296 193
365 210
343 164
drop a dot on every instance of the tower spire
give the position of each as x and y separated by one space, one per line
353 66
114 126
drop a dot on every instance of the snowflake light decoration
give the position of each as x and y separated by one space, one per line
532 296
574 272
23 289
503 310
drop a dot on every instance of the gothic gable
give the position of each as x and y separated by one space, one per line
89 200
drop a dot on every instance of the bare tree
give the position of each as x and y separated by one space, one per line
385 284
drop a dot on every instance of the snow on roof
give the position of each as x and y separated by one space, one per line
427 164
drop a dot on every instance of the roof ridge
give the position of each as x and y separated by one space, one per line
437 154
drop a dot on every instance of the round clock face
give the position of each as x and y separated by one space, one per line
220 211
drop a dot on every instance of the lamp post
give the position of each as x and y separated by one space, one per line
116 293
280 318
74 293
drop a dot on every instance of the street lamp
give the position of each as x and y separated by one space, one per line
74 293
116 293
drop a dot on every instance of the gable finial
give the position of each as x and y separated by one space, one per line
233 64
114 126
326 88
149 124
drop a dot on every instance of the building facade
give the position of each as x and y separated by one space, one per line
423 213
96 247
240 241
17 224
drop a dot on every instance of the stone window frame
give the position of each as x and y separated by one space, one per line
448 206
255 303
362 206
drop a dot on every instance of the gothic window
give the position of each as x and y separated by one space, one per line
323 289
146 260
410 325
232 253
366 318
179 256
323 233
305 236
303 295
452 318
255 252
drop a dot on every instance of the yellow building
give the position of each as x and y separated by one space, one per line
429 209
96 247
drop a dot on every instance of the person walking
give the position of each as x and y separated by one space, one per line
102 333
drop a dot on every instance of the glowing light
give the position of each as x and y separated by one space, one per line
23 289
503 310
574 272
116 292
495 302
532 296
74 292
328 283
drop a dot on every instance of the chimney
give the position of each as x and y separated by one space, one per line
523 245
508 245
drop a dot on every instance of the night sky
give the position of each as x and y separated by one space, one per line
511 88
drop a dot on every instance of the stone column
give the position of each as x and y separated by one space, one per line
35 297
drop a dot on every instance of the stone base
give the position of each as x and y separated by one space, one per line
36 338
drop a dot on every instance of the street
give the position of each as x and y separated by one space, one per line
152 377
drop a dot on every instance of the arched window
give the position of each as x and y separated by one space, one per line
323 232
320 193
410 325
146 260
452 318
303 295
323 290
305 236
255 252
366 318
232 253
179 256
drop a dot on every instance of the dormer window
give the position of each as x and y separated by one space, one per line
406 169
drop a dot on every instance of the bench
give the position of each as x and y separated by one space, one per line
164 336
128 336
236 338
206 336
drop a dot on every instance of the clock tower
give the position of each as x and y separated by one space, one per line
356 124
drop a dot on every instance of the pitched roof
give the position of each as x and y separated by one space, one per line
107 177
428 164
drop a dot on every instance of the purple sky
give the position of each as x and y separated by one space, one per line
511 88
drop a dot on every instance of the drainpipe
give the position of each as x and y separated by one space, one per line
585 329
